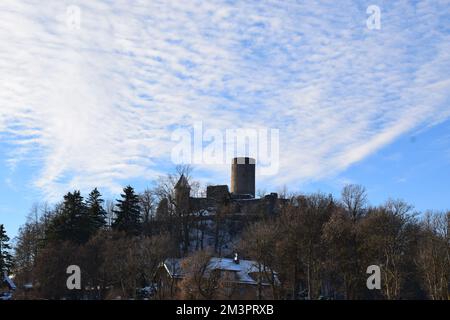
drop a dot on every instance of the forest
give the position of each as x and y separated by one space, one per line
318 245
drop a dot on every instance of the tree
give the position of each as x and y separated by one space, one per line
128 212
25 252
354 199
120 265
176 189
339 238
434 255
70 222
50 271
131 262
5 255
110 215
317 247
92 259
163 215
150 252
29 243
96 214
302 249
199 281
259 242
220 229
387 240
147 203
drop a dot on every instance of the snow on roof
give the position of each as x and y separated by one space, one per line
243 269
173 267
9 282
204 213
28 286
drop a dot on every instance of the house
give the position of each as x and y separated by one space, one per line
235 278
7 287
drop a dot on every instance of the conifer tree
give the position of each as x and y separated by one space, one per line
128 212
96 214
5 255
70 222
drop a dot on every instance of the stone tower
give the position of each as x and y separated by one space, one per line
182 192
243 176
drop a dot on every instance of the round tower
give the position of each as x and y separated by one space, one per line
243 176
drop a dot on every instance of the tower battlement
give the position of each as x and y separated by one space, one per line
243 176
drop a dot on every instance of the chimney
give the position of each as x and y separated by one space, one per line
236 258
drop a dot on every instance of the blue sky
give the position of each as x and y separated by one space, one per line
95 105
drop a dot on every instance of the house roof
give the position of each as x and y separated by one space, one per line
173 267
9 282
182 182
243 270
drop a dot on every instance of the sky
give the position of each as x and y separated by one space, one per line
91 93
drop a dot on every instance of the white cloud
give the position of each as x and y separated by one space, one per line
97 106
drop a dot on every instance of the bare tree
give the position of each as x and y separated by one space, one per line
110 215
340 262
434 255
258 243
200 282
354 199
147 202
387 238
178 203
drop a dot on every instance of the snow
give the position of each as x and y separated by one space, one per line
9 282
243 269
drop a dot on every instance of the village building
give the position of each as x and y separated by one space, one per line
234 278
7 287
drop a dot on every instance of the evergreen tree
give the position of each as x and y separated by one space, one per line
70 222
96 214
128 213
5 256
